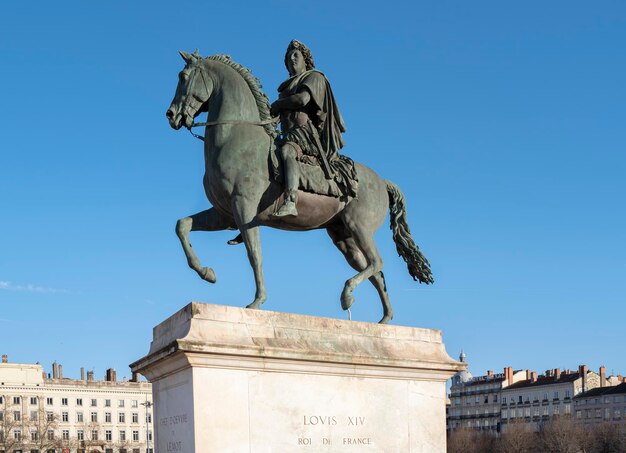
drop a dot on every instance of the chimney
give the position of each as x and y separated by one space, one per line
90 375
582 372
55 370
528 373
548 373
557 373
508 375
110 375
5 358
43 375
82 373
490 373
602 376
533 376
60 371
135 377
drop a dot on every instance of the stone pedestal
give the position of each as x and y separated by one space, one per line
228 379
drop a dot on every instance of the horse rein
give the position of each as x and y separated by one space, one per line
222 122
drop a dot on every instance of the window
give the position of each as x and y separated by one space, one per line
34 436
504 400
135 436
545 410
108 435
122 435
505 413
17 400
121 417
1 416
34 415
556 410
568 409
79 417
49 416
63 401
495 398
556 395
94 417
598 413
134 403
80 434
17 434
579 414
65 416
65 434
1 399
17 416
150 435
107 403
607 413
567 394
94 434
135 417
486 399
33 400
149 418
79 401
545 396
49 401
94 402
50 434
136 450
107 417
120 403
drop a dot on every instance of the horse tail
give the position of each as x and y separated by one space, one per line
418 265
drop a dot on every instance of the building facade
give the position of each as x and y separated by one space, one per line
535 400
475 401
601 405
42 413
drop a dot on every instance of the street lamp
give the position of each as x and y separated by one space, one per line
147 405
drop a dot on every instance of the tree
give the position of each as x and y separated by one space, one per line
467 440
11 426
563 435
608 438
40 430
518 438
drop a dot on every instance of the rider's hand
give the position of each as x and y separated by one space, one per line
274 110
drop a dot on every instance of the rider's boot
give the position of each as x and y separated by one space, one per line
289 206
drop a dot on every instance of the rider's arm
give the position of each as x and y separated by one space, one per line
293 102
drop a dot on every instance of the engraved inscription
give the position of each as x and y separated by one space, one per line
343 438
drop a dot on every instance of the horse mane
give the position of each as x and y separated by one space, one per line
261 99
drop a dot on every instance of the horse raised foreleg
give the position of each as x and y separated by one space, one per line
355 258
245 216
209 220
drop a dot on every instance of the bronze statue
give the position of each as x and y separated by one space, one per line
311 127
247 181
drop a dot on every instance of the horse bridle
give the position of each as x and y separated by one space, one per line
190 99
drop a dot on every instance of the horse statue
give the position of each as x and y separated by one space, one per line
238 140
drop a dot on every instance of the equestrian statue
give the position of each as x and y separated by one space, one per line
294 179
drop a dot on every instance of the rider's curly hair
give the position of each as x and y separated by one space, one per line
306 53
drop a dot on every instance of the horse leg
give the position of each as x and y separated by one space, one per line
245 216
356 259
365 241
209 220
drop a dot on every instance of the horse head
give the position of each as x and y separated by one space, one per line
192 92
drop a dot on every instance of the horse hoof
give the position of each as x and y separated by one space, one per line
347 299
208 274
256 305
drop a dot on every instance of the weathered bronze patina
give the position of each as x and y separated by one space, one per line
294 181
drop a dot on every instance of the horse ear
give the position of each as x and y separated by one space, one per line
185 56
197 54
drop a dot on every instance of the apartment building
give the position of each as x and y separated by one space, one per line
47 413
601 405
475 401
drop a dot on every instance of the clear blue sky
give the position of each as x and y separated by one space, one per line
503 123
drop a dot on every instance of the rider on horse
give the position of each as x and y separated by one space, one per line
311 128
